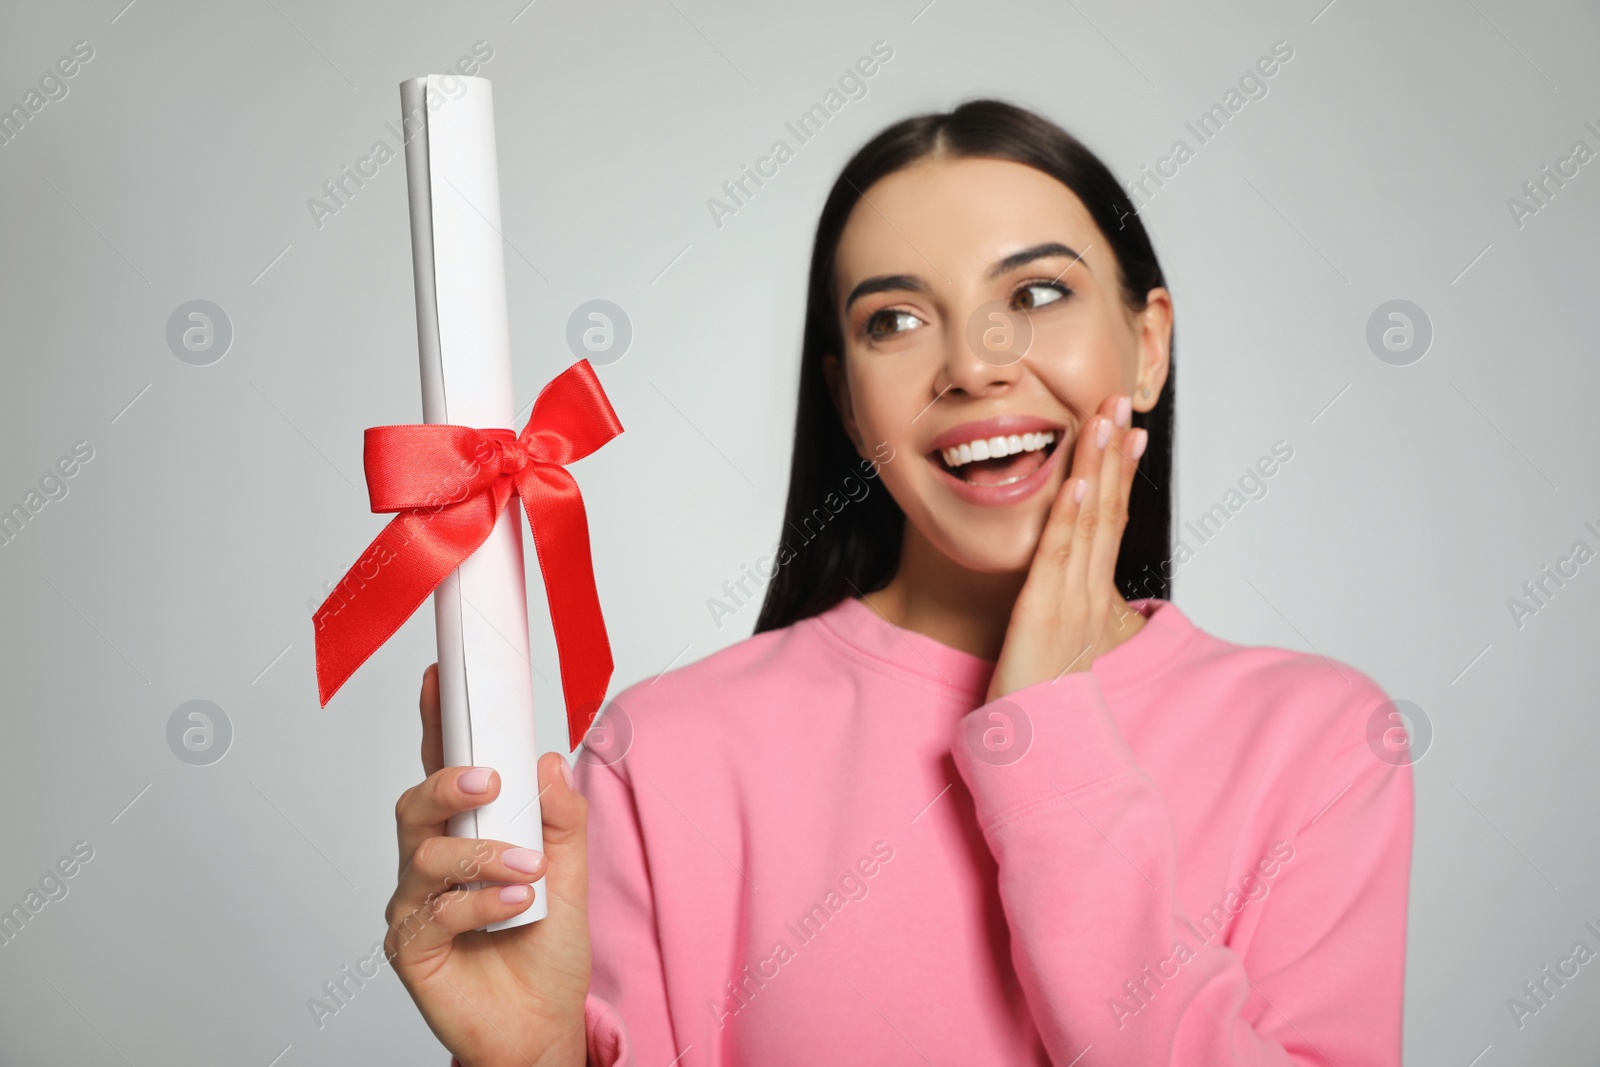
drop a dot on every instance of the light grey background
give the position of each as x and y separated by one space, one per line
178 567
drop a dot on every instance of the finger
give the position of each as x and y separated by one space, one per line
565 815
1112 505
432 735
1050 555
1040 606
1099 432
424 810
442 863
418 931
1134 446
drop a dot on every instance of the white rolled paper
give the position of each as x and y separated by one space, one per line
485 686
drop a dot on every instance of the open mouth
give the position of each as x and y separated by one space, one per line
997 461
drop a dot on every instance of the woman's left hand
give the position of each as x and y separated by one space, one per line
1062 618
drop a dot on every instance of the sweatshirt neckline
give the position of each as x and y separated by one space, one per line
1146 654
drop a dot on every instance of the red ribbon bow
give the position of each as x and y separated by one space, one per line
449 485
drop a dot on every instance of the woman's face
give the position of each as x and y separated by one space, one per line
976 290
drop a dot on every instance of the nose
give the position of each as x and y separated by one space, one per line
983 356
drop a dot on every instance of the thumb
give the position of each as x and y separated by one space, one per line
565 814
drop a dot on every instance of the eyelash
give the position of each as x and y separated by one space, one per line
1039 283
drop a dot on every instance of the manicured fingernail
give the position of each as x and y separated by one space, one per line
566 774
1141 437
1103 434
475 780
1080 489
525 860
1124 411
514 894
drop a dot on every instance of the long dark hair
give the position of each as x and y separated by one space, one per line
856 546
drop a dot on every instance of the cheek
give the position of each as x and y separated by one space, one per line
887 398
907 482
1081 366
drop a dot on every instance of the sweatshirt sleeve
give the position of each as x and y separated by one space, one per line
626 1015
606 1038
1086 858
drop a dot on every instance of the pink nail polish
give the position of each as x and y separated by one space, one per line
1124 411
1141 437
566 774
525 860
1103 434
514 894
1080 489
475 780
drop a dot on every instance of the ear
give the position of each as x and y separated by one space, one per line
839 389
1153 330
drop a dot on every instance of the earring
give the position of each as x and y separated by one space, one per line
1145 391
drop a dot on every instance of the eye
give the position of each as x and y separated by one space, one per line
1053 291
888 322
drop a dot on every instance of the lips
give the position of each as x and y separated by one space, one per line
1002 481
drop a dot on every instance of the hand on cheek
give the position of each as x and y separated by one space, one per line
1059 622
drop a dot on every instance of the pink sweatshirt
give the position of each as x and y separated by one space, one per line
809 855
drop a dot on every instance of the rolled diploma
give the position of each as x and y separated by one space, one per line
485 689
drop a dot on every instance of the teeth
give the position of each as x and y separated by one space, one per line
996 447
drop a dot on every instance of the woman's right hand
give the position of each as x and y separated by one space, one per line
511 996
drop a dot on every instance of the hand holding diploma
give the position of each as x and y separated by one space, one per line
510 997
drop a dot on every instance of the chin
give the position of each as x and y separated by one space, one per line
1002 548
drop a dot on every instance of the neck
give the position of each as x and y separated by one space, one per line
969 610
936 596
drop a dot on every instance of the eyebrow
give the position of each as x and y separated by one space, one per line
912 283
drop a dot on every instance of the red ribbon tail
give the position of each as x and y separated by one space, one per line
561 538
400 569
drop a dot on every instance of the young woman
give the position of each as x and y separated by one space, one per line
975 791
